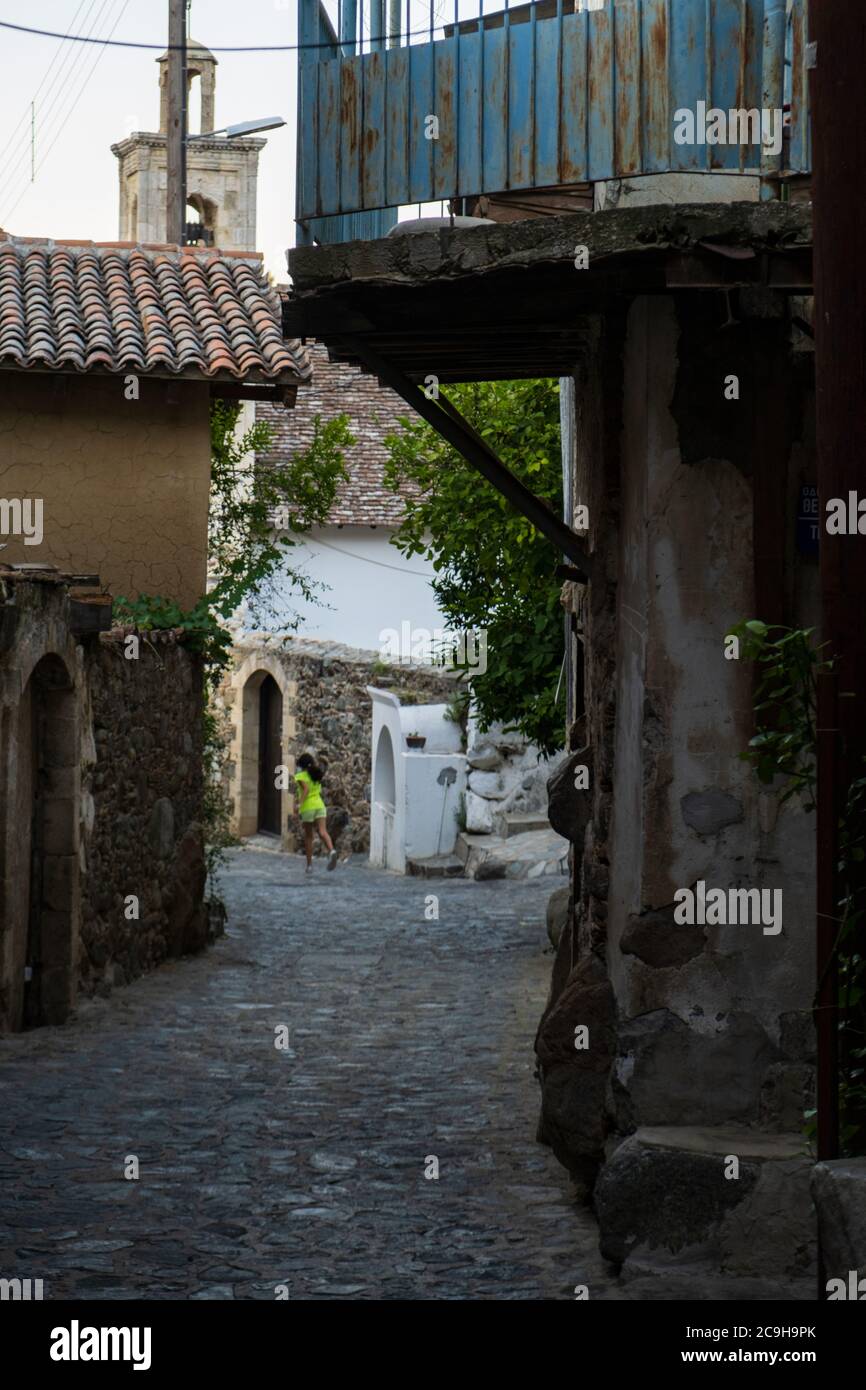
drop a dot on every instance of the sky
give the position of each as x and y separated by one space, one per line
85 103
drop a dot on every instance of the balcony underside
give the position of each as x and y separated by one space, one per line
507 301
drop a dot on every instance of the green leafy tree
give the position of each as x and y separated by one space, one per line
494 570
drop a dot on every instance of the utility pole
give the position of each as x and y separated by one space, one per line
837 31
175 190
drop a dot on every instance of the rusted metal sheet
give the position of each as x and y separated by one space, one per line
536 96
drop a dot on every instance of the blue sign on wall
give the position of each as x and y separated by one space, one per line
807 520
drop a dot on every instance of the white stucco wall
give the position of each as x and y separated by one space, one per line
413 814
371 587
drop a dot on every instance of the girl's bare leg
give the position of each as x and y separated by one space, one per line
321 826
308 842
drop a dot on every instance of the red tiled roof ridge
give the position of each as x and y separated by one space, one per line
216 252
76 305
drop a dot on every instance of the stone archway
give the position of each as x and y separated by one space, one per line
243 698
384 798
42 782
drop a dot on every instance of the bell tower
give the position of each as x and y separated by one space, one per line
222 174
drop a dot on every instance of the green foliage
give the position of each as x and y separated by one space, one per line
245 550
785 746
494 571
786 696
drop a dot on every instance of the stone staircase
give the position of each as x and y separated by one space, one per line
528 849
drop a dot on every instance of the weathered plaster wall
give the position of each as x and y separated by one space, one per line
689 494
719 1021
124 483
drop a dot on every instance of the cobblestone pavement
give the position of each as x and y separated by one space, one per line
408 1039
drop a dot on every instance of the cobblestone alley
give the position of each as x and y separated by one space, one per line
304 1167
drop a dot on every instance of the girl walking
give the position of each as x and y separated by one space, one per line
312 809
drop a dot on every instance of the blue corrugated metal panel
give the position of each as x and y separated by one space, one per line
574 158
547 115
528 102
470 126
655 113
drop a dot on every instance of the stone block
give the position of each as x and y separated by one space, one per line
657 940
839 1192
479 815
664 1196
568 809
487 784
557 913
574 1080
710 1072
485 760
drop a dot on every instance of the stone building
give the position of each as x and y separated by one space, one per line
109 358
110 355
222 174
700 1042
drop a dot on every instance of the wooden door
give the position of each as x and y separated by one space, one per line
270 732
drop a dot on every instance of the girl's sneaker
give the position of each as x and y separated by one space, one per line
332 859
309 869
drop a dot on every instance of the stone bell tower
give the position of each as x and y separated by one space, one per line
222 175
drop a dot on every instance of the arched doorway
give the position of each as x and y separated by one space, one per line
270 757
44 947
384 800
262 729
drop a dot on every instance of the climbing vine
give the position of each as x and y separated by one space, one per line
784 746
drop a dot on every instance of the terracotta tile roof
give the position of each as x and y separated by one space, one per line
85 306
373 410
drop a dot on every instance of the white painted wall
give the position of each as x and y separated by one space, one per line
412 814
371 587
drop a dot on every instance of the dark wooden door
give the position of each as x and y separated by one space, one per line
270 731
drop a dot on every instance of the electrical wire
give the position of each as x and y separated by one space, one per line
66 115
61 48
79 58
221 48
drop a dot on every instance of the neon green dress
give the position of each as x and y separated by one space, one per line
311 807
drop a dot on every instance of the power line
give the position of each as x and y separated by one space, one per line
69 110
330 44
60 49
78 57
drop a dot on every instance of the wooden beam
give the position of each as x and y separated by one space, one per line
452 426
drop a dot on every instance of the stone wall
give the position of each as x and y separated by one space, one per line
508 776
329 713
692 504
102 870
141 790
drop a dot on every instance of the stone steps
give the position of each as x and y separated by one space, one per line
438 866
523 822
526 854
